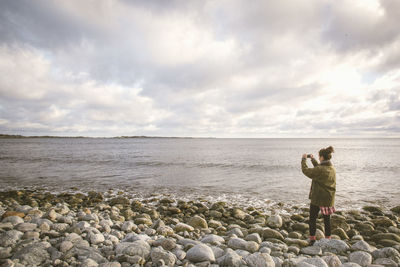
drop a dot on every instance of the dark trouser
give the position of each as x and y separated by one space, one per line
314 210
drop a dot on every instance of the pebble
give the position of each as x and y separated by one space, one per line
74 232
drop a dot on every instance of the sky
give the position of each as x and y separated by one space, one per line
226 68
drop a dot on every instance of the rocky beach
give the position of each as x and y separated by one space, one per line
116 228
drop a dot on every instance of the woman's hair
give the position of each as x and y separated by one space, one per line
326 152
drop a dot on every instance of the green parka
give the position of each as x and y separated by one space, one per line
323 185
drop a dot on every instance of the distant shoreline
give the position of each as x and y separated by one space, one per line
16 136
10 136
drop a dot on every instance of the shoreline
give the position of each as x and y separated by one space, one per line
116 228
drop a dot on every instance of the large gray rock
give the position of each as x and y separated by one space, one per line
158 254
318 262
33 254
332 260
231 259
332 245
311 250
362 246
260 260
274 221
254 237
237 243
389 253
10 237
140 248
213 239
361 258
200 252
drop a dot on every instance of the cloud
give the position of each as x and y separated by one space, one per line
225 68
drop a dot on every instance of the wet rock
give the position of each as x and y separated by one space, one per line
311 250
334 246
10 238
274 221
198 222
167 257
388 236
238 214
33 254
271 233
396 209
341 233
364 227
200 253
214 224
182 227
373 209
302 227
338 221
259 260
362 258
383 221
119 200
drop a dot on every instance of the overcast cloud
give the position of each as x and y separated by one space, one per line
229 68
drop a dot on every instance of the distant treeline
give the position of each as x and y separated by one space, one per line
42 136
49 136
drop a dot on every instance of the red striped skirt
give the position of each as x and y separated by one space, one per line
327 210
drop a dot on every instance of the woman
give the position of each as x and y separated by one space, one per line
322 192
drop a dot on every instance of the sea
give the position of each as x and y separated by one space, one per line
242 170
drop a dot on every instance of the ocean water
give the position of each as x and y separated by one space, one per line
368 170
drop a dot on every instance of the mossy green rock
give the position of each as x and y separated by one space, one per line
271 233
373 209
389 236
396 209
340 233
383 221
